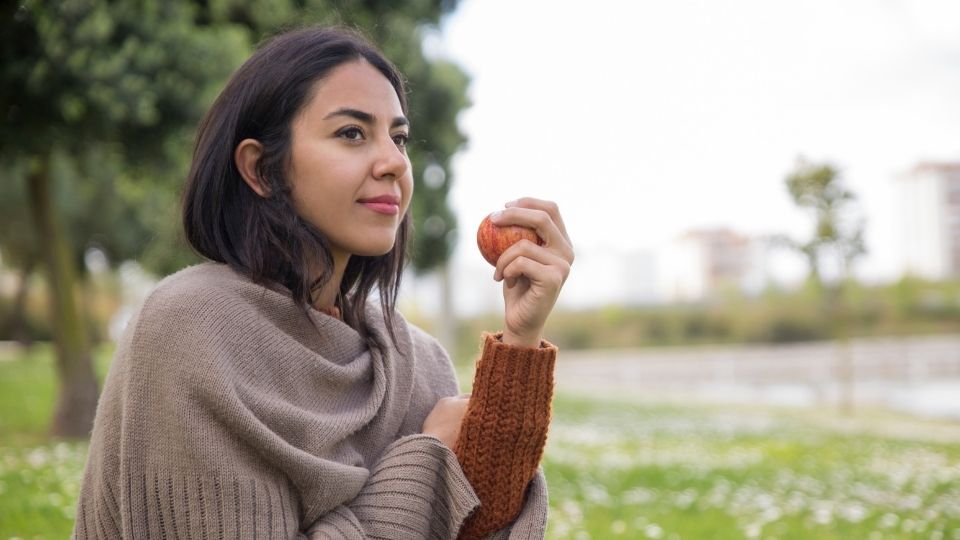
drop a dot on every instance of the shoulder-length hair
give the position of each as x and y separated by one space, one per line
263 237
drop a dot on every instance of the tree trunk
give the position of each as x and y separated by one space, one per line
813 259
845 377
845 373
77 402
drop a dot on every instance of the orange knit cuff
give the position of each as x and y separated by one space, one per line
504 430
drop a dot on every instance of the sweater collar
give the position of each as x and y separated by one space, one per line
336 340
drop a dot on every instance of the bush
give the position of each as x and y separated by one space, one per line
910 306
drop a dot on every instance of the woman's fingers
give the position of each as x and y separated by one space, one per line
549 207
550 276
543 223
530 291
444 420
533 274
530 251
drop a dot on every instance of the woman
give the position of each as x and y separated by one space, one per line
260 395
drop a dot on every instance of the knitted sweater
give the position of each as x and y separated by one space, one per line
229 413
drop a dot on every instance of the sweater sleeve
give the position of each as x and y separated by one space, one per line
504 431
415 490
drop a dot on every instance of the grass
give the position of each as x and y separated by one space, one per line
39 476
616 469
629 470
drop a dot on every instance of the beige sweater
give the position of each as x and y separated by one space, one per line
228 413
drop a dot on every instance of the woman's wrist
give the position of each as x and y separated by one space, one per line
509 338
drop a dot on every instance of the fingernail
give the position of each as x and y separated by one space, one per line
496 215
511 203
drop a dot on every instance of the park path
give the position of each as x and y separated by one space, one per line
919 374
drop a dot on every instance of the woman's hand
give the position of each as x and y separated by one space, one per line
532 275
445 419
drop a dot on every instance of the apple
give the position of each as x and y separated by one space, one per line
493 240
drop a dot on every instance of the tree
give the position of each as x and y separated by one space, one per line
17 246
80 77
837 228
837 237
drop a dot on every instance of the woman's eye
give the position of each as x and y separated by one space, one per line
351 133
401 139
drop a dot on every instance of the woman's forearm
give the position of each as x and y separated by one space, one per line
504 430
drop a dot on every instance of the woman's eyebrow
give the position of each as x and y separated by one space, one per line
365 117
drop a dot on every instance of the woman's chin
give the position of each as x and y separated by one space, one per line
374 250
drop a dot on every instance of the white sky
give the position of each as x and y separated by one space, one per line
644 119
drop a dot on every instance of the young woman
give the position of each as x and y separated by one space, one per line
263 394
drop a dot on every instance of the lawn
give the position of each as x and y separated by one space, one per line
626 470
616 469
39 477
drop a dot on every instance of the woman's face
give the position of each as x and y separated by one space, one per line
349 173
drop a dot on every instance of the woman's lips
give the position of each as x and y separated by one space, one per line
387 203
383 207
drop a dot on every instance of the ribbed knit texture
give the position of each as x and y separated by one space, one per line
230 413
510 408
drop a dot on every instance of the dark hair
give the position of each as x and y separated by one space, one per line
263 237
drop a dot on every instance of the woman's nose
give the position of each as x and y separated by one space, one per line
391 160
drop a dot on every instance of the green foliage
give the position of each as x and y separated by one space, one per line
90 91
77 73
107 94
100 202
909 306
18 245
433 105
837 231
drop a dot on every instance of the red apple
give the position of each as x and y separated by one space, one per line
494 240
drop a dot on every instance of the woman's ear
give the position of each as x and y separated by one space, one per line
246 157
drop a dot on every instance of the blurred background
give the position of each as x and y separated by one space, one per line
760 337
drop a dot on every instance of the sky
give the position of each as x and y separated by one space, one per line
646 119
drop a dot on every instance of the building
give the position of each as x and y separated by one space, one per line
929 196
704 261
700 264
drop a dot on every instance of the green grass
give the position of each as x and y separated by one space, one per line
27 387
39 476
626 470
38 489
616 469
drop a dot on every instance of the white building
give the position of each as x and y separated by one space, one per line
703 262
929 197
